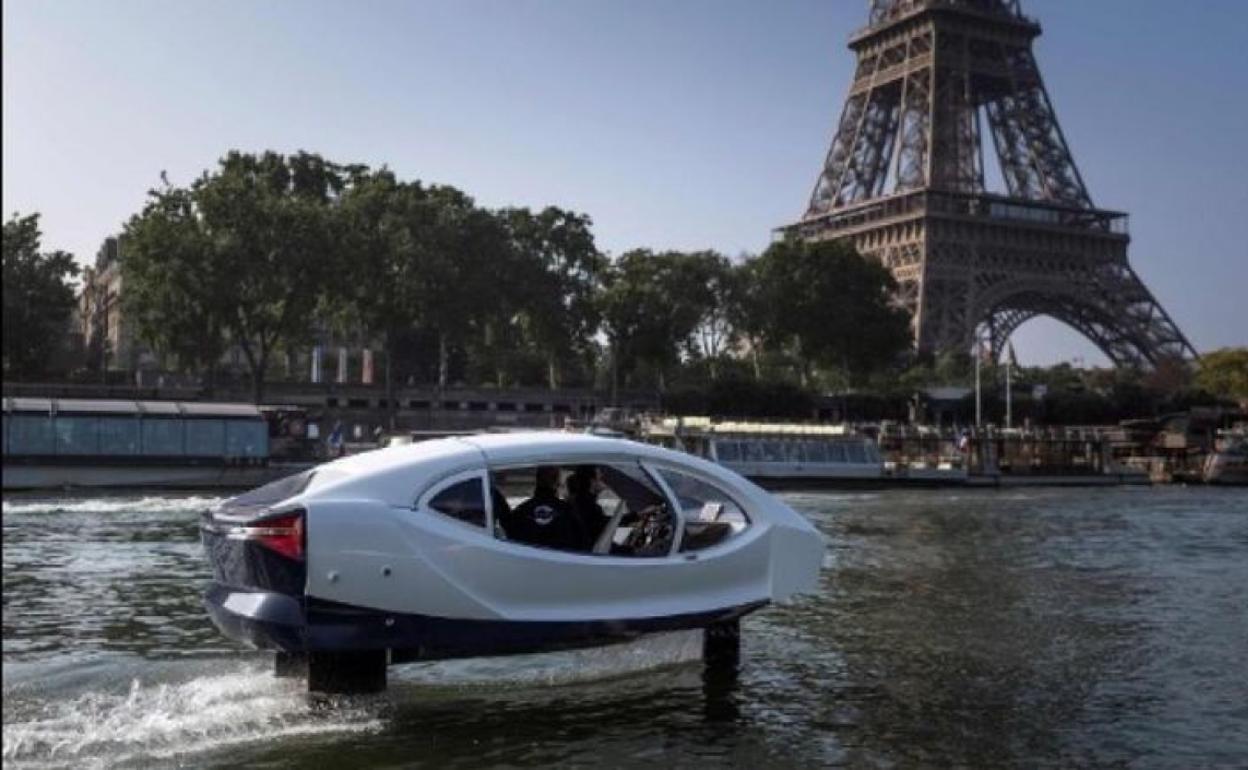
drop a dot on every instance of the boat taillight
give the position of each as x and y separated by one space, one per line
283 533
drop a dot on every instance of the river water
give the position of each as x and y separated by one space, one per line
975 628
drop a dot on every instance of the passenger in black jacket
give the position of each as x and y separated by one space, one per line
545 519
584 486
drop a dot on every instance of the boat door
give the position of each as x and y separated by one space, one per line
695 572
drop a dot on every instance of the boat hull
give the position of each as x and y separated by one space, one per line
274 621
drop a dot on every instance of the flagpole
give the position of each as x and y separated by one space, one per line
979 405
1009 411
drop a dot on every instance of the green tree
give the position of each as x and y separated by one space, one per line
1224 373
178 296
38 298
464 279
706 282
559 269
652 304
255 239
269 220
385 228
832 307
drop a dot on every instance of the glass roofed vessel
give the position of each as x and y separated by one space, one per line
59 443
774 454
497 544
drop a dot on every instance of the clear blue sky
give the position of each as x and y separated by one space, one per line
674 123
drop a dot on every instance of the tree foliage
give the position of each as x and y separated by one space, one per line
830 306
38 298
254 239
265 249
560 269
652 305
1224 373
175 293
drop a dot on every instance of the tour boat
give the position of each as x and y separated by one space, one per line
1227 464
774 454
65 443
405 554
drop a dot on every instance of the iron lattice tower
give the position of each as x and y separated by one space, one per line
904 182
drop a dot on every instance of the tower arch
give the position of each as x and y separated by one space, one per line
939 83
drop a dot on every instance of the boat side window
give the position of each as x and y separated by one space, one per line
709 515
836 452
857 453
461 500
818 451
727 451
590 508
773 451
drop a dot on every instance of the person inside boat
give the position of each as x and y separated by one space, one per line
584 486
545 519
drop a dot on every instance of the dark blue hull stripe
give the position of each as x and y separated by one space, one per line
282 622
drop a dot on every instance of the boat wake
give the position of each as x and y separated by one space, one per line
120 722
556 668
17 507
168 721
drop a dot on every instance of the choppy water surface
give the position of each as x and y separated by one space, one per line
987 628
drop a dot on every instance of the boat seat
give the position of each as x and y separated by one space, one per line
704 534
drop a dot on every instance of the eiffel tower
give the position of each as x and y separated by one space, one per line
904 182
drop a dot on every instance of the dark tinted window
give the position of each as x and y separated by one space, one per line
276 491
462 501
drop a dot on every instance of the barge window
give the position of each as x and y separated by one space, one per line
162 437
246 439
31 435
462 501
727 451
205 438
77 435
119 436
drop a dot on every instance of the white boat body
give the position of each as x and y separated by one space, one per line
366 516
373 548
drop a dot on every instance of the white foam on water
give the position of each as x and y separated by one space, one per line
110 505
558 668
162 721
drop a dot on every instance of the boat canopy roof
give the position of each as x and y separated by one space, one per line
52 406
695 425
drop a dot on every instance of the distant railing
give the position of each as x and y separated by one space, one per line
883 11
968 205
